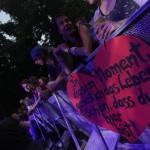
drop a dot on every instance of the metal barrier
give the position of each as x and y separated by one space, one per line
137 25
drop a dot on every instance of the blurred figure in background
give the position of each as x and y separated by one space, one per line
13 133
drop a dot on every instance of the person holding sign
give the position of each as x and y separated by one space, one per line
110 15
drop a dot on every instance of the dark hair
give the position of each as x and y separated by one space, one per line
25 81
44 79
80 18
31 80
55 20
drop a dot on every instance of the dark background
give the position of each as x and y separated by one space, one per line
30 20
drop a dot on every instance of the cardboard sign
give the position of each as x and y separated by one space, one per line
117 97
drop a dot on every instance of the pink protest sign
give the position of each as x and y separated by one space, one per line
117 97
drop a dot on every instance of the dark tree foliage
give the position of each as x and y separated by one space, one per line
31 21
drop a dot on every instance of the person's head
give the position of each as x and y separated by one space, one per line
64 25
41 55
29 84
38 54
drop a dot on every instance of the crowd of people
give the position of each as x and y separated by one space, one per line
39 123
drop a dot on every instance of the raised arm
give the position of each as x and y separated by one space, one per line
53 85
86 39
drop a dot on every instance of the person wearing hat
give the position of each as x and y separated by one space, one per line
44 56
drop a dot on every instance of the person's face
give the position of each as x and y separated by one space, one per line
64 25
27 87
91 2
39 61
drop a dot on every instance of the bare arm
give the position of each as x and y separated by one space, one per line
53 85
33 107
86 38
39 90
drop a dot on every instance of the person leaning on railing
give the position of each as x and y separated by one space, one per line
110 15
78 42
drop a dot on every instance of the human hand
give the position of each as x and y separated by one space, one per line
104 29
64 47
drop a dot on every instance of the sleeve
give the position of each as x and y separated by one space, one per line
128 8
